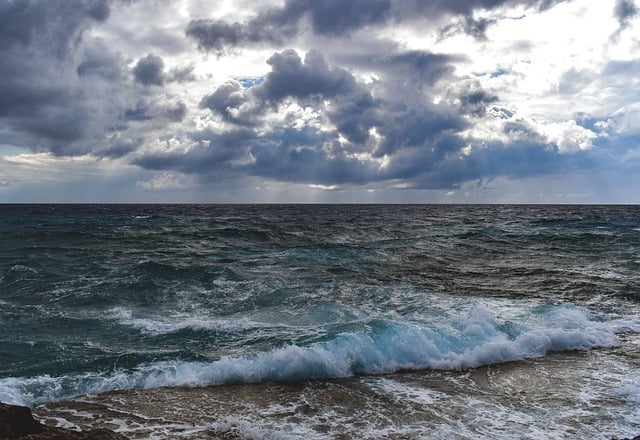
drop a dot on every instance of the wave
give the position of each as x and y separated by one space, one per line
631 391
180 323
386 347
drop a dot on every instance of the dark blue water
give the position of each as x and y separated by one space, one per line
95 298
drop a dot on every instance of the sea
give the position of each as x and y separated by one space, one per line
323 321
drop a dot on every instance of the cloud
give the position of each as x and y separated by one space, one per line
70 93
290 77
355 138
162 182
25 23
436 8
148 71
43 98
476 28
311 81
569 136
515 161
98 60
625 11
210 153
277 25
376 94
573 80
182 74
473 98
231 102
333 18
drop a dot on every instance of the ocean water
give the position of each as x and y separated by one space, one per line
312 321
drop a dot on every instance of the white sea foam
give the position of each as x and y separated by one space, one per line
631 392
627 325
415 394
178 322
387 347
151 326
22 268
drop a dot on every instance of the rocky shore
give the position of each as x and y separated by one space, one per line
18 422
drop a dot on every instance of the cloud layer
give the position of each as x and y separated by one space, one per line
375 94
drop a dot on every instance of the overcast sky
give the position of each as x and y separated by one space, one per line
473 101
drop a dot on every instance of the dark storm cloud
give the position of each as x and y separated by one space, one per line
417 127
100 61
476 28
182 74
177 112
625 11
285 154
474 100
495 160
149 70
290 77
336 18
55 23
423 68
67 93
228 95
119 149
276 25
308 81
365 111
309 165
393 132
353 110
292 155
216 35
39 97
408 8
145 110
31 33
353 14
139 113
354 117
227 100
526 153
415 135
211 155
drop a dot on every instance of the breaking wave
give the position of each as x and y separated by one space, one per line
385 346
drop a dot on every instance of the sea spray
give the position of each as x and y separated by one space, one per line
387 347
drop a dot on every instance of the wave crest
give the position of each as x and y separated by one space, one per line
388 346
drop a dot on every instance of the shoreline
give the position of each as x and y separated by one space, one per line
17 422
527 399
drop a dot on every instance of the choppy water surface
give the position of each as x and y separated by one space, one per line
324 321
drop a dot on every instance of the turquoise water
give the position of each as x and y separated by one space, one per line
101 298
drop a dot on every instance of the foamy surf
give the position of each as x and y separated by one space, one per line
568 394
386 346
179 322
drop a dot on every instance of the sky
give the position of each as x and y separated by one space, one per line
320 101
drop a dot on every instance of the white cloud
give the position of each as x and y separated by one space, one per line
568 136
164 181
